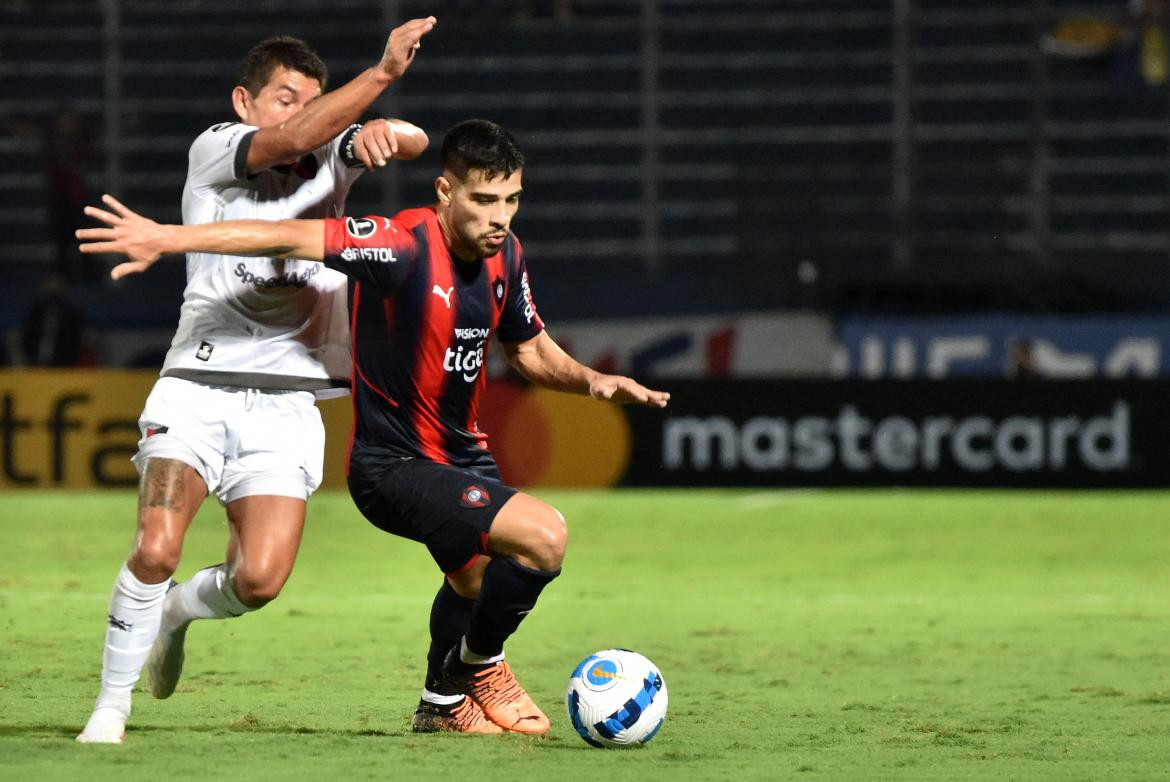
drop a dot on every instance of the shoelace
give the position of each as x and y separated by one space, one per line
467 714
498 685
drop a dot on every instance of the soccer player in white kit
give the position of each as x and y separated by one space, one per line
258 340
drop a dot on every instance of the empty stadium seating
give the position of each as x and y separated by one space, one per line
683 154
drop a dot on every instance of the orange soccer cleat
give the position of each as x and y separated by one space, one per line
463 717
495 689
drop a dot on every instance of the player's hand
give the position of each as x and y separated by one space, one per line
138 238
404 43
624 390
381 140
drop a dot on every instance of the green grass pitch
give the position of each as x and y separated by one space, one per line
848 635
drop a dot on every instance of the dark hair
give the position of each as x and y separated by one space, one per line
482 144
265 57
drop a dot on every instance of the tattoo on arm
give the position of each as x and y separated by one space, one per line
163 485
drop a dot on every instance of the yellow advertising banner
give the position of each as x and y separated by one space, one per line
77 429
69 428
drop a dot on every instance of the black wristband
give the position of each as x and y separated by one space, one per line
345 146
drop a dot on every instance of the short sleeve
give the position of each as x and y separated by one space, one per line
219 155
519 320
371 249
337 155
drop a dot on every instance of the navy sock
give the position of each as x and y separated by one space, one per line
508 593
450 619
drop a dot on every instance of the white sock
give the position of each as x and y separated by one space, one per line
441 700
206 595
471 658
134 615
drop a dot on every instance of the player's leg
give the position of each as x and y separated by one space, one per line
170 493
266 534
272 468
527 544
398 496
266 488
449 620
442 707
268 531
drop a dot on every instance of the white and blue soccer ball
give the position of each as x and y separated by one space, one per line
616 698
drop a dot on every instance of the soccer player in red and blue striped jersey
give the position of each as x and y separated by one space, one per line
432 286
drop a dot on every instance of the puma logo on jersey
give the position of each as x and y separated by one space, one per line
445 295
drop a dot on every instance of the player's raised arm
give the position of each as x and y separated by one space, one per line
542 361
327 116
144 241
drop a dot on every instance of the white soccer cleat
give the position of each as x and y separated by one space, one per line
107 725
164 666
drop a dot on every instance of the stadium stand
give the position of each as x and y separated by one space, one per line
692 155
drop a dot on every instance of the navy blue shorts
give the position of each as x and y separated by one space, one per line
448 509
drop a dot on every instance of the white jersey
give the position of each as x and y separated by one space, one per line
266 323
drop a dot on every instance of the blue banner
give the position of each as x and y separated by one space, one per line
1003 346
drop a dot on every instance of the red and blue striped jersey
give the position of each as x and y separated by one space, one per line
420 321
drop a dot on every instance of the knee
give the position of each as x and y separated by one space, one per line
156 558
546 550
467 583
256 589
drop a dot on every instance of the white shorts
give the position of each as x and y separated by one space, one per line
243 442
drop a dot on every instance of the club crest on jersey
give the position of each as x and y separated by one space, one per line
360 227
204 352
475 496
498 291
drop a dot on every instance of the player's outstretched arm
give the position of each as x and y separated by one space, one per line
381 140
144 241
542 361
328 115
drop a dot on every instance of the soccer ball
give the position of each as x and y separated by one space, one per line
616 698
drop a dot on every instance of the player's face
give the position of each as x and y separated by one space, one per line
477 212
286 93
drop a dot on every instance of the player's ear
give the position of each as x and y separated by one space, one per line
443 190
241 99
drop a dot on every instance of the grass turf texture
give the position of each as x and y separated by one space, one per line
832 635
